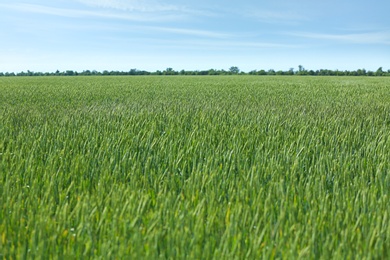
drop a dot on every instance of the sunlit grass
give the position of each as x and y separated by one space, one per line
194 167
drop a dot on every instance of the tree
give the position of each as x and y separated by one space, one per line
133 72
212 72
87 72
271 72
301 70
234 70
169 71
379 72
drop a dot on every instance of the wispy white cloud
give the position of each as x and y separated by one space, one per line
250 44
143 6
192 32
269 16
74 13
205 44
155 31
357 38
146 6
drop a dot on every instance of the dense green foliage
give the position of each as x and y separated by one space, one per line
194 167
211 72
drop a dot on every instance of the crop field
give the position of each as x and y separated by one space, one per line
224 167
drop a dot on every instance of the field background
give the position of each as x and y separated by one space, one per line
194 167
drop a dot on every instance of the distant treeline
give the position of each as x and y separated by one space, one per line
231 71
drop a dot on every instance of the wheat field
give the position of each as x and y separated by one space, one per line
224 167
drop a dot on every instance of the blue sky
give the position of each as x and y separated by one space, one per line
41 35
